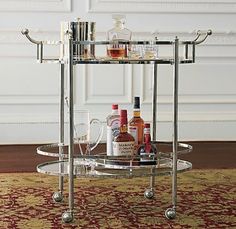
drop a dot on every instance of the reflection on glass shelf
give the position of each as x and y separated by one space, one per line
164 150
100 168
124 60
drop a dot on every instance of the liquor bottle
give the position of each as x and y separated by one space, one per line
113 128
136 124
116 34
147 152
123 143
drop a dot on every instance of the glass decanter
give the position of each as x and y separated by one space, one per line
116 34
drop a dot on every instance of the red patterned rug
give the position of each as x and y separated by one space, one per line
206 199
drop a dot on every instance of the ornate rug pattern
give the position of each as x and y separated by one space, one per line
206 199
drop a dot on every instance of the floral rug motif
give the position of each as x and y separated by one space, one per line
206 199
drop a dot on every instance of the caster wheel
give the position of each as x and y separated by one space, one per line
57 197
67 217
170 213
149 194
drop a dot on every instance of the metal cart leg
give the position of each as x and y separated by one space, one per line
170 213
149 193
68 216
58 196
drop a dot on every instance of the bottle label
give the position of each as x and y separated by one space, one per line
147 157
146 131
112 131
123 148
115 127
111 119
133 130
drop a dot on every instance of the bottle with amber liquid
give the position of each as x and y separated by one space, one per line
123 143
136 124
147 152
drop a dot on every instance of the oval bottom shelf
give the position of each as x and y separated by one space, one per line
89 168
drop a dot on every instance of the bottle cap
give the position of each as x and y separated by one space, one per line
123 117
118 17
114 106
136 103
146 125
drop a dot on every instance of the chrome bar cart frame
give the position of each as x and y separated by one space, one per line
66 155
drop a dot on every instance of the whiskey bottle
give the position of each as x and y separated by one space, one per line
136 124
113 128
147 152
123 144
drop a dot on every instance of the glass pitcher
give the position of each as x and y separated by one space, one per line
83 127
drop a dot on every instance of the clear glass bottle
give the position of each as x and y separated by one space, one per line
113 128
123 144
118 33
136 124
147 152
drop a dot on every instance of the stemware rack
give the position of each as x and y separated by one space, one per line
70 163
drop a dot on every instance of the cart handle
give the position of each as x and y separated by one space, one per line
198 40
25 32
40 44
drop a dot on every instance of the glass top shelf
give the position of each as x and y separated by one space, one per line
105 60
133 42
97 168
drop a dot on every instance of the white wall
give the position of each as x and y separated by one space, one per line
29 91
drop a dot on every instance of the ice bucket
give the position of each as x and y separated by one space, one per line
81 31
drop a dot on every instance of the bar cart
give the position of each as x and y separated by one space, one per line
71 163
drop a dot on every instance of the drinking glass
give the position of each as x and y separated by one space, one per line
136 52
150 51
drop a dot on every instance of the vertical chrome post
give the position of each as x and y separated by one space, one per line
58 196
175 121
193 52
154 116
71 124
154 102
186 52
40 52
61 124
68 216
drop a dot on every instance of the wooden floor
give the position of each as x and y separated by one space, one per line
23 158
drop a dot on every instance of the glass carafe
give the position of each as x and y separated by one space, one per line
116 34
87 132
